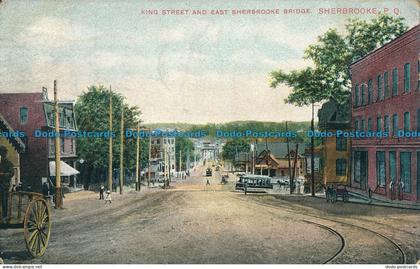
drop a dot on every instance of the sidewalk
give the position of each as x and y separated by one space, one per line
362 199
355 197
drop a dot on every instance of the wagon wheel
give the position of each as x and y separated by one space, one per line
37 227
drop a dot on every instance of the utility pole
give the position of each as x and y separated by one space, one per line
253 157
58 198
110 142
180 161
288 158
187 168
150 157
138 156
294 166
312 152
165 169
122 151
169 164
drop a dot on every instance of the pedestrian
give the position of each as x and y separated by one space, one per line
45 189
101 192
108 198
6 173
208 182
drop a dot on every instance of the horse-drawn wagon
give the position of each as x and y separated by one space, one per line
32 213
334 191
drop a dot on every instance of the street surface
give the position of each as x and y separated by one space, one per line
195 223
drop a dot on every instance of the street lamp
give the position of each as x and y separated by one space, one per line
81 161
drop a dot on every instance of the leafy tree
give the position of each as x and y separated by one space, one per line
232 147
185 146
92 114
332 55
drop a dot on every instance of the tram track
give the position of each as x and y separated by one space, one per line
403 255
336 234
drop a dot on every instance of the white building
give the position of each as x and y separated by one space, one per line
162 146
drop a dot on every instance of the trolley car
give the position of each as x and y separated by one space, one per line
32 213
253 183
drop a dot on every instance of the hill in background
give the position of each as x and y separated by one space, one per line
240 126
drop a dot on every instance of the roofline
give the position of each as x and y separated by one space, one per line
18 141
34 92
387 44
59 101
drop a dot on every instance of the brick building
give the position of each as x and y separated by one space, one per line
386 98
27 112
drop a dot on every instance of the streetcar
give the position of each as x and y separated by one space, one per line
253 183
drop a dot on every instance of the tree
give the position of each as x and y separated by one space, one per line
232 147
92 114
185 146
332 56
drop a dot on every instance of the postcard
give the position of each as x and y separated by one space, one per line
221 133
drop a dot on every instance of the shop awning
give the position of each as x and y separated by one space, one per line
66 170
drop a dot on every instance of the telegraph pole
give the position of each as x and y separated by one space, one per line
188 161
169 164
294 166
164 164
138 156
312 153
110 142
150 157
58 198
180 162
122 151
254 155
288 158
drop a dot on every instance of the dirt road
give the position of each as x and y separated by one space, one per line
195 223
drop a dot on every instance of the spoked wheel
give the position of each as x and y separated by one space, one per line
37 227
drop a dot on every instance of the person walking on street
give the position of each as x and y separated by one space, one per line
45 189
6 174
101 192
108 198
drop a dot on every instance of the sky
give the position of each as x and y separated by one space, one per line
176 68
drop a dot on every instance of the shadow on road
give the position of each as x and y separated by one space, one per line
16 255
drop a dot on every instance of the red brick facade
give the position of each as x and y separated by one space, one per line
35 161
382 164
